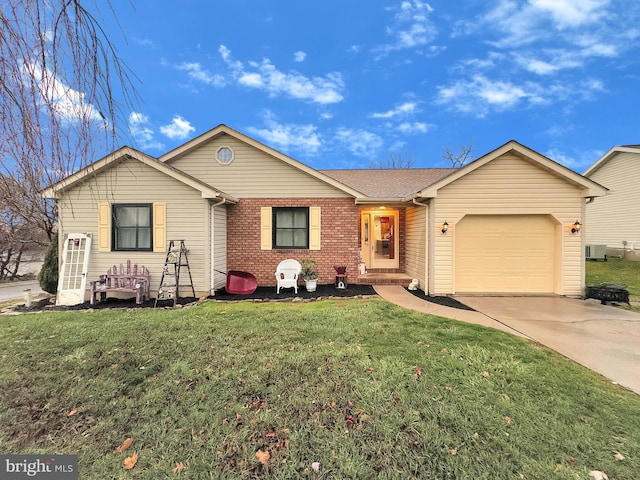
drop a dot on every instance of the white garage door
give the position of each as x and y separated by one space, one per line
505 254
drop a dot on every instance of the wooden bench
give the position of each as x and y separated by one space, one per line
129 279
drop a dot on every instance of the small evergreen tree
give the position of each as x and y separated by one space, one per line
48 275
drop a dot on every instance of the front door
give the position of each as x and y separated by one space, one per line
380 239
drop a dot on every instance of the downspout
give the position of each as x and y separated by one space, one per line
427 262
212 254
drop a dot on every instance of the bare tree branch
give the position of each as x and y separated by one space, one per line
394 160
460 159
62 93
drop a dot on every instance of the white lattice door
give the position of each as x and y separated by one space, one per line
72 280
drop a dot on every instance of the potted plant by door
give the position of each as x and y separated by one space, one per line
310 274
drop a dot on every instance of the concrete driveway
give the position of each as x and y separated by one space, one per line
603 338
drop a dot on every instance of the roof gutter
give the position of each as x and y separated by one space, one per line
222 201
379 201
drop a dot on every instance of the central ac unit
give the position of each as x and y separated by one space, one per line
596 252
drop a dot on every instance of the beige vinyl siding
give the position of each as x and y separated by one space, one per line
416 243
510 185
134 182
252 173
219 252
616 217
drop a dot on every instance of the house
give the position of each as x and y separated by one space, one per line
502 224
614 220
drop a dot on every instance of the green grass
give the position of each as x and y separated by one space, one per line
365 388
615 270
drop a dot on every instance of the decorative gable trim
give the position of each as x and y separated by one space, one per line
127 153
185 148
613 152
589 187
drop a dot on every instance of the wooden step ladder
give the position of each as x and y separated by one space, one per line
170 284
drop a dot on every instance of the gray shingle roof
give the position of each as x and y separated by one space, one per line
389 183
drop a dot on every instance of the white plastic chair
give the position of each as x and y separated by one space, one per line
287 274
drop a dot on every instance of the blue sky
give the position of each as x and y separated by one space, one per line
343 83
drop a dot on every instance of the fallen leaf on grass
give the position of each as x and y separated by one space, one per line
598 475
453 451
570 460
618 456
418 371
126 444
485 374
315 466
507 420
263 457
72 412
131 461
179 467
506 397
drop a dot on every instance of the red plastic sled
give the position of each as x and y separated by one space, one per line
241 283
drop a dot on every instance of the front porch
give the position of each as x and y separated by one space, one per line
382 278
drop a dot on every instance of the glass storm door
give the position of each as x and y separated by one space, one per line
380 239
73 271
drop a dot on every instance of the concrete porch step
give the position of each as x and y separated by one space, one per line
375 278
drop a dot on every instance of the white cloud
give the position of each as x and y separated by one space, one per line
480 94
407 108
411 27
67 103
142 133
414 127
299 57
288 137
178 129
561 157
571 13
265 76
526 22
360 143
556 60
251 80
196 72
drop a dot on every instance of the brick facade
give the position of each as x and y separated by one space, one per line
339 238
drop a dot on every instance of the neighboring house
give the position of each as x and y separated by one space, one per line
240 205
614 220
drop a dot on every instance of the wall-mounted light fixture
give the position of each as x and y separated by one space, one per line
576 227
445 227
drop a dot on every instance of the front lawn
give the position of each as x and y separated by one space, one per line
334 389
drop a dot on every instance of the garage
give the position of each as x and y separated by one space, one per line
505 254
